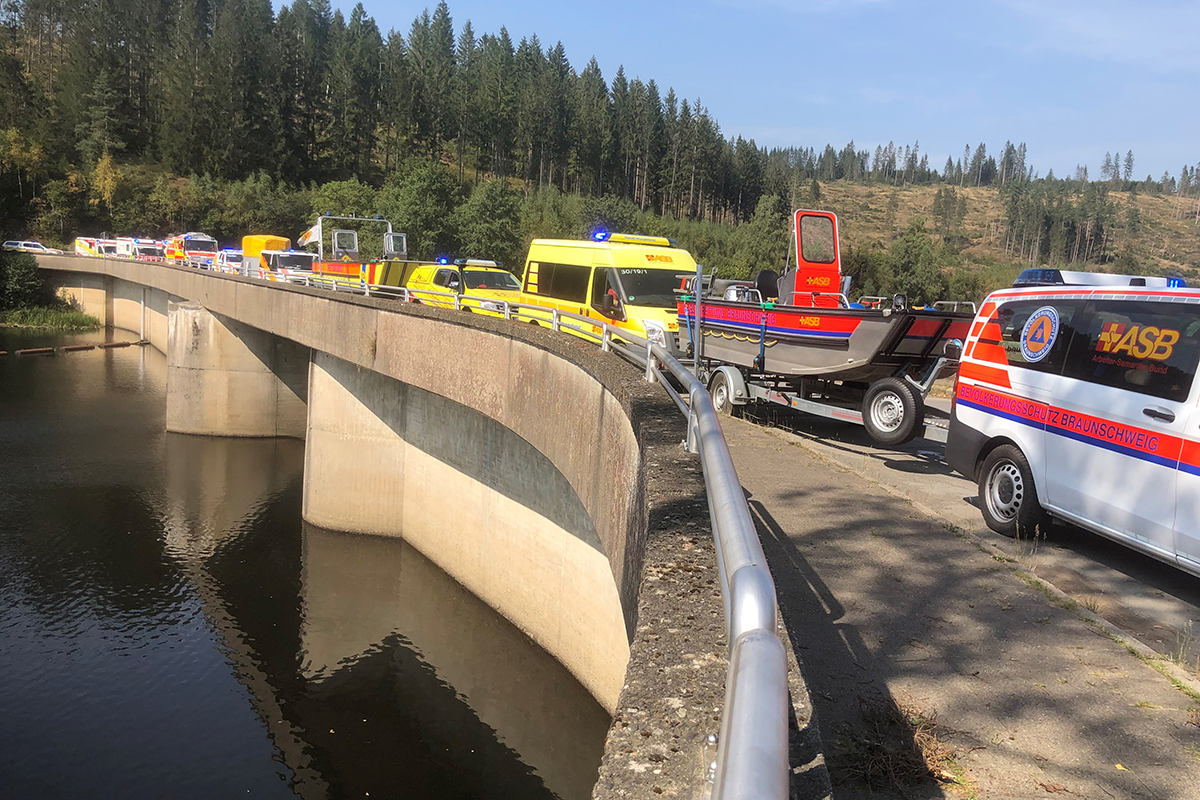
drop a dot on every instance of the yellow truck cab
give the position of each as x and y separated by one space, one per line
625 280
487 282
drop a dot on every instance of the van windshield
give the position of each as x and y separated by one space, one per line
653 288
295 261
484 279
201 246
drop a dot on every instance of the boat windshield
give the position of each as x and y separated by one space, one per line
486 279
653 288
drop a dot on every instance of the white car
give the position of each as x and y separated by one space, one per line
32 247
1076 398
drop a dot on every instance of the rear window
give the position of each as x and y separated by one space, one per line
1144 347
1035 334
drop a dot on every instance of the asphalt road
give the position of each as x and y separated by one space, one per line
896 615
1155 602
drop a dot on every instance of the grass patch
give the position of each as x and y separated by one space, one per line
898 746
62 319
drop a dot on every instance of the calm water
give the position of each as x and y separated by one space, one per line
169 627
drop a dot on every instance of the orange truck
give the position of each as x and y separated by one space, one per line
343 262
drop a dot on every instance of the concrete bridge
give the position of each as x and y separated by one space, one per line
543 474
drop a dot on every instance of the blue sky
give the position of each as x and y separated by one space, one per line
1071 78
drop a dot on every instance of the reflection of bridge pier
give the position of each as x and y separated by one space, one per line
222 493
360 591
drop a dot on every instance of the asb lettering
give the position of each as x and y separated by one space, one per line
1137 341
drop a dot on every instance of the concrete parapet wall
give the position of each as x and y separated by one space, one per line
229 379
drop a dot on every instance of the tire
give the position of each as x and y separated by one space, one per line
719 390
892 411
1007 495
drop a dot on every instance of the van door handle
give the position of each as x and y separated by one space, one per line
1159 413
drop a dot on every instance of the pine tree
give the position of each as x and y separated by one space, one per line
98 131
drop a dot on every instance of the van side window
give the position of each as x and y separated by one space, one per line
564 281
442 277
1012 319
1142 347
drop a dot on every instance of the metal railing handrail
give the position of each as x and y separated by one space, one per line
752 748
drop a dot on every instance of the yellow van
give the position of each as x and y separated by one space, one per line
485 281
625 280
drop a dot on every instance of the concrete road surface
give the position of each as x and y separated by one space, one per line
911 633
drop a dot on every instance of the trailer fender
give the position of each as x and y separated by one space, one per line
737 384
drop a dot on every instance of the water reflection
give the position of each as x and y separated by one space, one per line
169 626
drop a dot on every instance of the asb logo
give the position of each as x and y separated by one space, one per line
1150 342
1037 338
657 257
817 280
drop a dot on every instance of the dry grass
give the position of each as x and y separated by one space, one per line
897 747
1169 241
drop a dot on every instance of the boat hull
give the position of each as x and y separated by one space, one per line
832 343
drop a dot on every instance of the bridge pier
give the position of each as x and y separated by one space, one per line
225 378
388 458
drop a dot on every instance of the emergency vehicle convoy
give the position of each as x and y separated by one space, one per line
1076 398
795 340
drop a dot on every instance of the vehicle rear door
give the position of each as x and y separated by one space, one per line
1187 505
1118 418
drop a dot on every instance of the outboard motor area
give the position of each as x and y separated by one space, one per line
817 279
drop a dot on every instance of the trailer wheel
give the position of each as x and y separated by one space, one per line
892 411
718 388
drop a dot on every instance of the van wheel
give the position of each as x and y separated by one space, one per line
892 411
1007 495
718 389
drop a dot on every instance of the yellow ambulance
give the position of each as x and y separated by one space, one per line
625 280
487 283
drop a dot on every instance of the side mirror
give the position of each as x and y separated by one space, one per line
953 349
899 302
606 305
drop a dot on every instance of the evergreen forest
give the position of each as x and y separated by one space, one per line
146 117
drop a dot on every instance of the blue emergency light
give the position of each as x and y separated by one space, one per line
443 260
1176 283
600 236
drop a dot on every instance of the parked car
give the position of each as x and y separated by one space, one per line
1076 399
32 247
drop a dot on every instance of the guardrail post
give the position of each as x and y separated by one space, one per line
650 378
507 311
554 324
605 339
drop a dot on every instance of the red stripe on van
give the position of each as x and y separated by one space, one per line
985 374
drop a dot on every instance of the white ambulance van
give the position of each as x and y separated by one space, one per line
1076 398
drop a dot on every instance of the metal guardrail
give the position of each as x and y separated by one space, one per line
752 748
